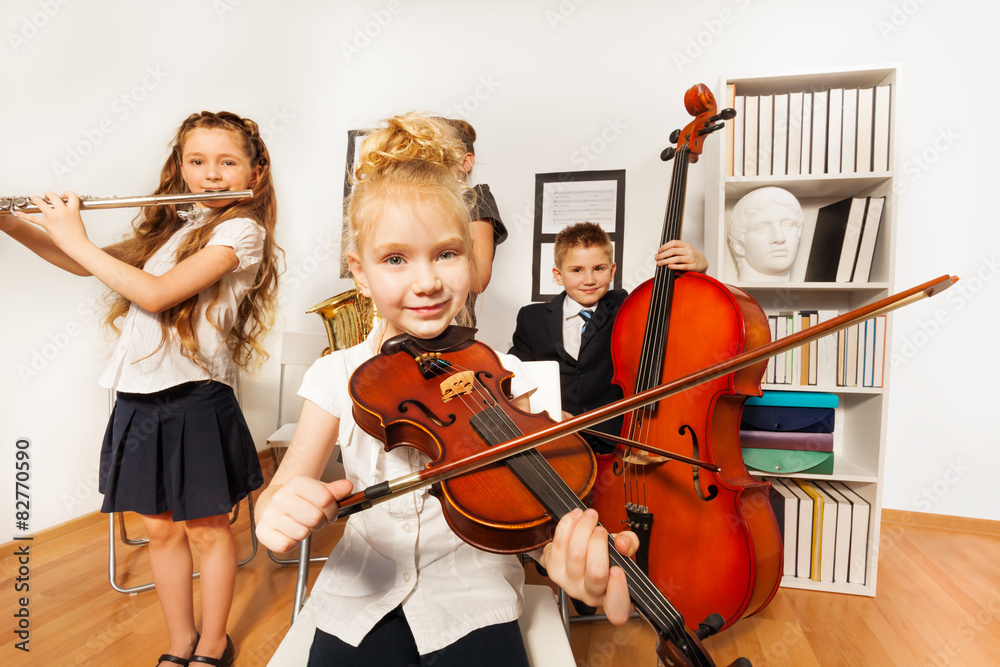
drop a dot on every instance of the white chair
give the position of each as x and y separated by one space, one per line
298 352
543 628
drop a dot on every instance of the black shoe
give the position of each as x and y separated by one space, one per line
225 661
166 657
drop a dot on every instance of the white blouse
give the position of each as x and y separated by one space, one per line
403 551
141 365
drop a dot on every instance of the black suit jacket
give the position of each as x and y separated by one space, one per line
586 380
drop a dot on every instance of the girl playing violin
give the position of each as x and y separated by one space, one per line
193 294
401 588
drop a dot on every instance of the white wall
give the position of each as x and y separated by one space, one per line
93 92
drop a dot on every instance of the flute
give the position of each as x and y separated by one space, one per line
25 205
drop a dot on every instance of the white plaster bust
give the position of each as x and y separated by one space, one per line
764 232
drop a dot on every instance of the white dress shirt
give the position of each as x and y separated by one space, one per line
572 326
143 362
403 551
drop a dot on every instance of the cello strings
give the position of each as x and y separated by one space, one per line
653 355
555 495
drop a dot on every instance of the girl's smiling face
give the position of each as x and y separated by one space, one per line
213 160
415 266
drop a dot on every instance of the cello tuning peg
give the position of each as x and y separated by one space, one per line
725 114
675 136
668 153
712 624
709 129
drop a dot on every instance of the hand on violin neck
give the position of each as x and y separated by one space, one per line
577 560
297 508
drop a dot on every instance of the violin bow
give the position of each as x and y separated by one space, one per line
431 475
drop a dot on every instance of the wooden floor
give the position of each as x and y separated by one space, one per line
938 604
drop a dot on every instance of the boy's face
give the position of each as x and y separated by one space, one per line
585 274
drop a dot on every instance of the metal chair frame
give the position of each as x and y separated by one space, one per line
113 561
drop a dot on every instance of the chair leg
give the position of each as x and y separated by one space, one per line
112 557
302 579
125 537
253 531
112 563
563 604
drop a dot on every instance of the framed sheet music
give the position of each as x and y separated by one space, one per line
566 198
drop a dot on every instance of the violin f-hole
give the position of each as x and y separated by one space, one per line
427 412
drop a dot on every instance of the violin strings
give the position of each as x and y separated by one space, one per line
558 499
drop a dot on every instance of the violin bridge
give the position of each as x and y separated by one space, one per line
457 385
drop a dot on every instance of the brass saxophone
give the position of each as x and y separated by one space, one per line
349 317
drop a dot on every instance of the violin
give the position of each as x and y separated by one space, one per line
448 397
708 536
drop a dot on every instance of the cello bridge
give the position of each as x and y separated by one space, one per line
640 458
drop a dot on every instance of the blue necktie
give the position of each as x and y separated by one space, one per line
586 315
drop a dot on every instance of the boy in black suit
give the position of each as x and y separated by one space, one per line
581 344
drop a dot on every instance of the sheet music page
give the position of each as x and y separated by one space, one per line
569 202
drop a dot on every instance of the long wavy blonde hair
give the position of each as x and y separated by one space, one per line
156 224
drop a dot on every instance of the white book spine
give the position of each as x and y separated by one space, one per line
750 129
849 131
780 153
807 128
795 101
863 154
765 135
821 101
852 238
738 134
880 128
835 116
826 365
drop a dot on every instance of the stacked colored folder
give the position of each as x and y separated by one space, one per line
789 432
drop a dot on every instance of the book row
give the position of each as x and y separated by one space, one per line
843 243
824 529
835 131
853 357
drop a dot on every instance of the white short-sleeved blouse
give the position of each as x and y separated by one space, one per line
140 364
402 551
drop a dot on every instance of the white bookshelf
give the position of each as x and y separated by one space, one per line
860 423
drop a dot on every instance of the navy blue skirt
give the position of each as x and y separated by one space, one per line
186 449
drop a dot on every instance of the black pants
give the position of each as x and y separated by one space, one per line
390 644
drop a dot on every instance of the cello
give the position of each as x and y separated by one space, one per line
709 538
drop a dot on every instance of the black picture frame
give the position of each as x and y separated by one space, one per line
611 214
